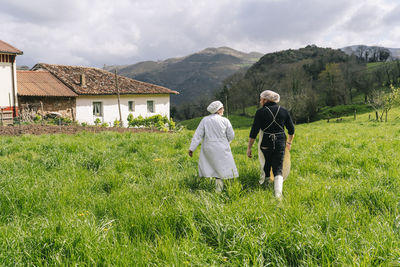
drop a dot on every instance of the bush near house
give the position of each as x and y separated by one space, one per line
156 121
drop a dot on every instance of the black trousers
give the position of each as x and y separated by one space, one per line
274 157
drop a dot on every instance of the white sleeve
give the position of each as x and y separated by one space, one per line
198 136
230 134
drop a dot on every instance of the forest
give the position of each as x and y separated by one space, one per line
310 80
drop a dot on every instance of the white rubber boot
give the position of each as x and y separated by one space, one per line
219 185
262 179
278 185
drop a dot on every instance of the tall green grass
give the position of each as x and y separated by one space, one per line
135 199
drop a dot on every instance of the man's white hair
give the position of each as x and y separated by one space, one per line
270 96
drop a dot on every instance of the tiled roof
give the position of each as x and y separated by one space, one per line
100 82
7 48
41 83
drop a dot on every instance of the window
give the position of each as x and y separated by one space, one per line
98 109
150 106
131 106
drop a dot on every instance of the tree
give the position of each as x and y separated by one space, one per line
235 91
257 81
297 94
384 54
383 102
333 84
361 51
348 69
364 81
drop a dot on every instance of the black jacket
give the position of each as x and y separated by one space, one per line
263 118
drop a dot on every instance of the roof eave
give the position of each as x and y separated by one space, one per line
12 53
166 93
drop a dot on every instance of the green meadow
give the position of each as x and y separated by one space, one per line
134 199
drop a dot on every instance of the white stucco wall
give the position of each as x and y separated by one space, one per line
6 92
84 107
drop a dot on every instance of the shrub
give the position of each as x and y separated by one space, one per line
130 117
37 118
171 124
60 121
117 123
97 121
65 120
139 121
156 121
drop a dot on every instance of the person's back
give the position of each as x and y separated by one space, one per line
215 133
217 128
272 119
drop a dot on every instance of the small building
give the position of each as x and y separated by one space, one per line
8 80
103 95
39 92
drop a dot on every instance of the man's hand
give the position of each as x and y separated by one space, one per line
289 142
251 142
190 153
249 153
288 146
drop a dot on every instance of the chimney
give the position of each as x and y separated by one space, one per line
83 80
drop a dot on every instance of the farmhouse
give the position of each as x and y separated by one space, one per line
8 85
86 94
39 92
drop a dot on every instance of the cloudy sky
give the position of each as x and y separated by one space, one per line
98 32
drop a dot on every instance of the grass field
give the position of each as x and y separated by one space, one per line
237 121
129 199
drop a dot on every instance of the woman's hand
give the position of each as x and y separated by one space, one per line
190 153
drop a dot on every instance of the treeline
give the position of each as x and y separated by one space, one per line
372 53
311 78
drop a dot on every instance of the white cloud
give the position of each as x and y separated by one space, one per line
94 33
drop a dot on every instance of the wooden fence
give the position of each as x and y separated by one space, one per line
6 117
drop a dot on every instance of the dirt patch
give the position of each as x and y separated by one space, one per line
38 129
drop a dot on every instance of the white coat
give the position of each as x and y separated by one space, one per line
215 133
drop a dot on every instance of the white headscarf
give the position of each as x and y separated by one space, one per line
214 106
270 96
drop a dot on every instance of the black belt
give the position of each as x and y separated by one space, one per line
273 137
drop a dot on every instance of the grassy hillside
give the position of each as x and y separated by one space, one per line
135 199
237 121
240 121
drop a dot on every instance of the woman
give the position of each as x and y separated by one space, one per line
270 120
215 133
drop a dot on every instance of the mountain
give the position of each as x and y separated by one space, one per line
360 49
195 76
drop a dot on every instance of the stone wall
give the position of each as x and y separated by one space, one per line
32 105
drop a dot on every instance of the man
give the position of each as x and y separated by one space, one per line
270 120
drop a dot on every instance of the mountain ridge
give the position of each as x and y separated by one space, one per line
198 75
